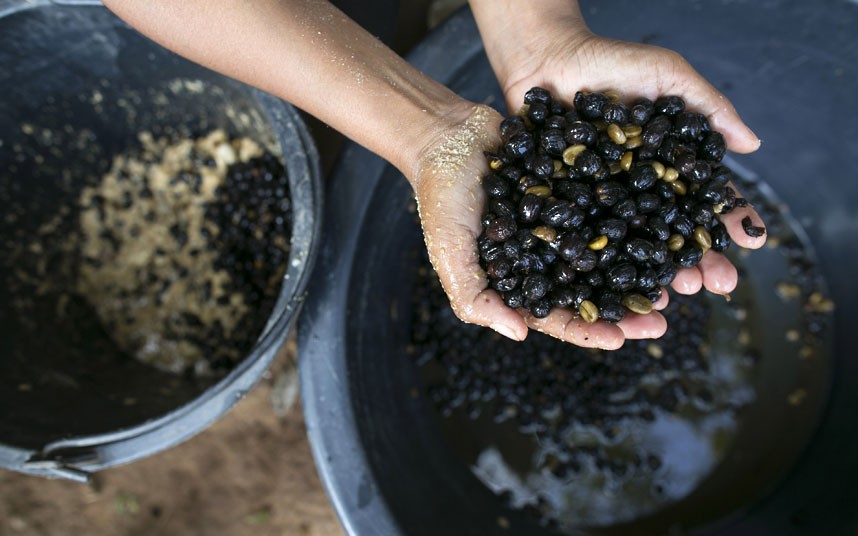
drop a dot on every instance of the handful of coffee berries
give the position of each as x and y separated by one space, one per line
595 208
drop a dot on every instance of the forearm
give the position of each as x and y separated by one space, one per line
312 55
512 32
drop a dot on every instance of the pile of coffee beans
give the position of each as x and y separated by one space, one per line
546 385
586 419
597 207
174 256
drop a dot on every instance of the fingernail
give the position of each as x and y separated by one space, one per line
505 330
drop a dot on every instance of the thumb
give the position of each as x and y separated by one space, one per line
450 232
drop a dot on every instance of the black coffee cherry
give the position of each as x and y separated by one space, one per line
499 268
622 277
606 256
691 126
526 239
590 105
553 142
609 150
612 312
586 261
557 122
669 105
713 147
556 211
594 278
637 221
702 172
702 214
647 279
648 203
683 225
542 165
658 228
655 131
665 191
563 274
528 263
541 309
576 219
608 193
712 192
506 284
688 256
666 274
641 112
511 126
571 246
720 237
751 229
529 208
537 113
562 297
613 228
538 94
587 164
722 175
685 163
520 145
642 178
500 229
625 209
667 150
660 253
535 286
502 208
639 249
495 186
614 112
512 248
513 299
668 212
580 133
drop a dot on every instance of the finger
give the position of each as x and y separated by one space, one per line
567 326
648 326
662 302
688 281
733 222
701 96
719 274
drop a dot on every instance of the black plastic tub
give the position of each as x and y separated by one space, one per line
73 67
790 68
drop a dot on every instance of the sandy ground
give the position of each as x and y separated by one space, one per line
250 473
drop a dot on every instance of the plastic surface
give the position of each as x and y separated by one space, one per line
790 68
50 54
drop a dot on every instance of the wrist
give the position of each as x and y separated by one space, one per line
519 38
431 135
419 125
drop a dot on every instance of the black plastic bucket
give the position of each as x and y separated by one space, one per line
73 66
790 68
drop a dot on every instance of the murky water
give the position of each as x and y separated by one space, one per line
595 439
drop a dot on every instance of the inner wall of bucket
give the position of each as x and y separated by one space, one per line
423 471
79 86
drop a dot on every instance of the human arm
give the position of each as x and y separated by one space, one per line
313 56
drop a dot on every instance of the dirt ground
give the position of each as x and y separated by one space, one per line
250 473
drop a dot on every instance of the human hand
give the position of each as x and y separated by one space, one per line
563 56
450 200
